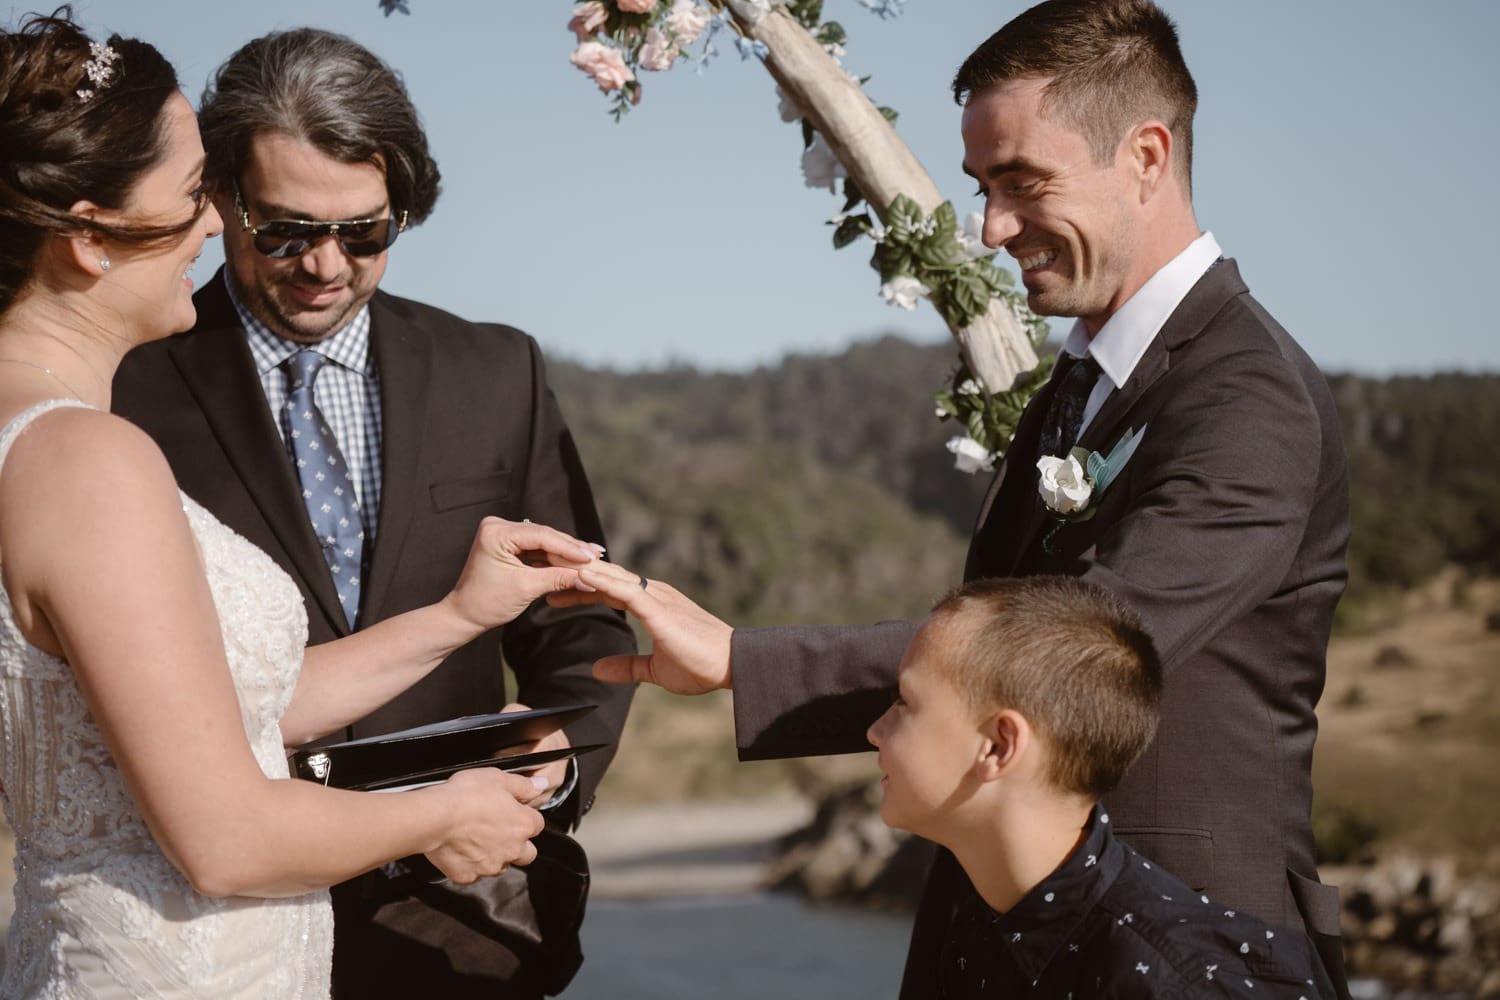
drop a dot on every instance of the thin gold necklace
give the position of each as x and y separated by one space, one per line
46 371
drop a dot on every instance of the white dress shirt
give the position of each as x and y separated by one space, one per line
1124 337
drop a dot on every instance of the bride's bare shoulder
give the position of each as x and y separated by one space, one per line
72 456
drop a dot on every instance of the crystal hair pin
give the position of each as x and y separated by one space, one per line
100 68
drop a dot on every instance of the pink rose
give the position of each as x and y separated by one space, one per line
604 64
659 52
587 19
635 6
688 20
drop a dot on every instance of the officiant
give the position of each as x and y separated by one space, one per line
359 438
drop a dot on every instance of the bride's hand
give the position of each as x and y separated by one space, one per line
491 827
510 565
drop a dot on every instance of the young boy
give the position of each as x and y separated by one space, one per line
1021 704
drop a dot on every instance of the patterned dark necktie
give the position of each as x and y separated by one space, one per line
327 488
1065 415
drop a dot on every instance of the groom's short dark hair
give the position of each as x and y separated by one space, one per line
1111 64
328 91
1069 656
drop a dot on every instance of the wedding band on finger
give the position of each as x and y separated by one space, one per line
643 583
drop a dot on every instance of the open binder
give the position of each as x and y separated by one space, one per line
432 753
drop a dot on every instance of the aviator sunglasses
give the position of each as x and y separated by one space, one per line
283 238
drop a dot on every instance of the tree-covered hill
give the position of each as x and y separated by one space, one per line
819 490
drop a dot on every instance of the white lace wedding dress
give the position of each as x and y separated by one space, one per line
100 912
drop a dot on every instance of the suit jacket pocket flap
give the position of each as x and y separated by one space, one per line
1188 854
466 492
1318 903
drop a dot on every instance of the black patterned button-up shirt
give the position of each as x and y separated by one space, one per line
1110 923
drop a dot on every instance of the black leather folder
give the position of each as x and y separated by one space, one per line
433 752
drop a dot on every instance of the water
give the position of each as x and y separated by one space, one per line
738 948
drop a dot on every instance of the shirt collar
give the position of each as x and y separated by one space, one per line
1051 915
348 348
1124 337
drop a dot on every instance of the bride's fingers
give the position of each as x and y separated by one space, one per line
524 536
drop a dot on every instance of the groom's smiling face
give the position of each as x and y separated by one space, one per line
1069 221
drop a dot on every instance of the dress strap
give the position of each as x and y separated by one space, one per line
23 420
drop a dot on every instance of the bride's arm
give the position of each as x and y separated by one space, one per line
346 679
102 568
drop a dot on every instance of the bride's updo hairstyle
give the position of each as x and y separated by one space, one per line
66 135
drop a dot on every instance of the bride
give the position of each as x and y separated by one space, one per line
152 667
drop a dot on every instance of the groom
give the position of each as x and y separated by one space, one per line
1225 531
439 423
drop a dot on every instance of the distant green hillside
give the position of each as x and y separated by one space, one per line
819 490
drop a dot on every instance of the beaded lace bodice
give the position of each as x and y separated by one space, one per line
99 910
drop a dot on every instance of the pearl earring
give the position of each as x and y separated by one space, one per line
104 263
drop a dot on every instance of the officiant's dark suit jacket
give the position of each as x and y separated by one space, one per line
470 429
1226 531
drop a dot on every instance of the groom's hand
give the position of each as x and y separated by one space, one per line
690 652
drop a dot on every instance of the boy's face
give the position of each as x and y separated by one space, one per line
929 741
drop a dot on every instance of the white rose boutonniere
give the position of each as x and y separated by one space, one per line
1069 485
1064 487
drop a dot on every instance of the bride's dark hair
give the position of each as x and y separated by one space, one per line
57 146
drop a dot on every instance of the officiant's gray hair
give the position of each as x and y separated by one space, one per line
1069 656
1111 64
328 91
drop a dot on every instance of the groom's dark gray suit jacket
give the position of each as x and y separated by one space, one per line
470 428
1226 532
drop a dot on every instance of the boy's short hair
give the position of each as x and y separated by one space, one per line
1069 656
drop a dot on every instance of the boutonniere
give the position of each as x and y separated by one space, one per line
1071 484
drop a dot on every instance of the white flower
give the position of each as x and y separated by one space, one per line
786 107
687 20
1063 487
903 291
659 52
820 168
969 455
971 237
969 387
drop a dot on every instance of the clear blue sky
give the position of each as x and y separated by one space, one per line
1346 154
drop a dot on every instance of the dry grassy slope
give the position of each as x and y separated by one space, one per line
1410 734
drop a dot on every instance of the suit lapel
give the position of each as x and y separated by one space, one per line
1192 315
403 358
215 363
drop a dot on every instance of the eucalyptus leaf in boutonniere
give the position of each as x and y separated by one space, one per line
1071 485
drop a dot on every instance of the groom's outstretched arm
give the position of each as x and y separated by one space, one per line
798 692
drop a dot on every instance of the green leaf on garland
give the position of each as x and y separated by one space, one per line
889 114
971 296
807 134
850 229
832 33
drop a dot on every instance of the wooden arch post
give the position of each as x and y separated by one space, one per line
995 346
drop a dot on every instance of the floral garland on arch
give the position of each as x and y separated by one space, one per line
917 255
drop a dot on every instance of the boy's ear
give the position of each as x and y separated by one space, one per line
1007 741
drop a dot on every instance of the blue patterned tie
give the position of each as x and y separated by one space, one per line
327 488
